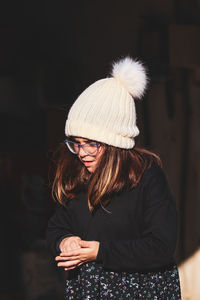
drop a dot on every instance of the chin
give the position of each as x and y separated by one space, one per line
91 169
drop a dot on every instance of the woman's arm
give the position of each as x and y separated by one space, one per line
59 227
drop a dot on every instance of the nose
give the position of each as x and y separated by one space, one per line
81 152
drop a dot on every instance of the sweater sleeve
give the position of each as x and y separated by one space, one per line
156 246
59 227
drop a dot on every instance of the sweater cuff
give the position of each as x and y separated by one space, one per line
99 257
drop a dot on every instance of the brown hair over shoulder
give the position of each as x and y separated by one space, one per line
118 170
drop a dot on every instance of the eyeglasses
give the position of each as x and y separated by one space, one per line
90 148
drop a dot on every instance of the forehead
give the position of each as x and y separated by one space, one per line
80 140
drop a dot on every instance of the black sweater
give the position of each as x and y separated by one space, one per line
139 233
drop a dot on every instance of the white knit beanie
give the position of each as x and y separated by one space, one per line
105 111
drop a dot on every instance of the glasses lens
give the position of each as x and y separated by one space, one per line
88 148
91 148
72 147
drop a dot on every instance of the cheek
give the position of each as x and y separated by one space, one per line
100 154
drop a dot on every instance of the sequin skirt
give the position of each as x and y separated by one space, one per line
91 281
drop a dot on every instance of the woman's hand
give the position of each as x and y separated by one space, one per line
76 257
70 243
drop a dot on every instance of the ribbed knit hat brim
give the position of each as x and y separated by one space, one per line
100 134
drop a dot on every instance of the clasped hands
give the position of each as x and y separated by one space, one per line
75 252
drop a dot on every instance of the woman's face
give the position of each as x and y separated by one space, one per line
89 161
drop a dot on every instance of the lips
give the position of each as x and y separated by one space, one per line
88 163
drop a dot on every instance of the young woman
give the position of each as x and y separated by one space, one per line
115 226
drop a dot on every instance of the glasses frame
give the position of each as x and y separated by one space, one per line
66 141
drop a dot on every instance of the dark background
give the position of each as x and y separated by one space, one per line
50 51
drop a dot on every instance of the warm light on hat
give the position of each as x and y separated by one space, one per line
105 111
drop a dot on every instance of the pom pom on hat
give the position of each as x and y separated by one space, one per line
131 74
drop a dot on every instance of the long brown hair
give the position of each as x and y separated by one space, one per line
118 170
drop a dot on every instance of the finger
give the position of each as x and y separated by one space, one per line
70 268
73 257
70 248
59 258
74 245
79 264
71 253
68 258
84 244
67 264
